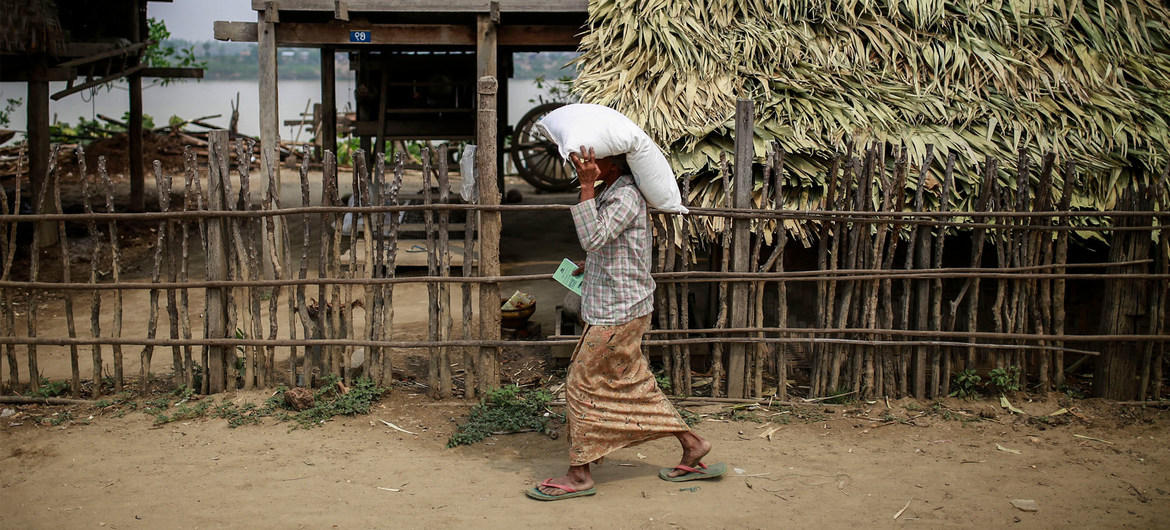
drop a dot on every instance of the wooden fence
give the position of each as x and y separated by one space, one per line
887 314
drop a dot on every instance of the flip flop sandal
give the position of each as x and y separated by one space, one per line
703 472
569 492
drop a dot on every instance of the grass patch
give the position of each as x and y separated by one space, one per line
505 410
329 401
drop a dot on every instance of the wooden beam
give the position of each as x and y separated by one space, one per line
234 31
11 74
134 160
432 6
172 72
328 130
737 386
269 119
337 34
97 82
489 234
217 164
37 118
125 52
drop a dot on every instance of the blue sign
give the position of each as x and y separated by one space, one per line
361 37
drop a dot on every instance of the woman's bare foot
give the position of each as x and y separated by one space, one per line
694 449
578 478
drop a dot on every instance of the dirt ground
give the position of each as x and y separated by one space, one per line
824 466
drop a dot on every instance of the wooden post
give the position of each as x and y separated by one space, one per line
217 253
115 270
137 175
328 129
489 236
380 138
740 245
269 109
70 326
38 147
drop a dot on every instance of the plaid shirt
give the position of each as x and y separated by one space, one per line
614 230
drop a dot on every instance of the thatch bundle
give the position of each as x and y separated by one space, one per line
1088 80
30 26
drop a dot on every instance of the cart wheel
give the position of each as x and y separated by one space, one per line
536 157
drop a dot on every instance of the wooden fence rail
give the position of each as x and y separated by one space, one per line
888 312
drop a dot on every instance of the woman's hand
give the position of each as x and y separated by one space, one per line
587 171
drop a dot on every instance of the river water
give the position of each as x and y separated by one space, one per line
191 99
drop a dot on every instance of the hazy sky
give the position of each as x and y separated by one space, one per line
193 19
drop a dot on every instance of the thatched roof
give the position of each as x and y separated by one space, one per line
1088 80
30 26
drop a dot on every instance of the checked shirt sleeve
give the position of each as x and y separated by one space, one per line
594 230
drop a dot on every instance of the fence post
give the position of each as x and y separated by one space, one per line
737 386
216 252
489 233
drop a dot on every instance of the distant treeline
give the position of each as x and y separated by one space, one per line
237 60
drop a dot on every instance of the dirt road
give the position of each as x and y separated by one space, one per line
835 467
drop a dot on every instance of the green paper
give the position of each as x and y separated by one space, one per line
564 274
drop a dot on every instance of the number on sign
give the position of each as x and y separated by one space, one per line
359 36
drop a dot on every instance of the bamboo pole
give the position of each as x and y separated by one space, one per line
940 369
781 286
842 358
310 328
660 295
1021 258
172 276
724 265
1163 196
470 363
684 290
378 249
756 294
673 361
446 386
1010 273
434 383
220 359
489 239
1058 287
1041 241
335 309
810 338
876 359
916 254
34 296
895 361
152 324
391 258
202 202
362 188
323 359
94 262
824 298
978 243
8 253
189 202
262 370
272 202
66 265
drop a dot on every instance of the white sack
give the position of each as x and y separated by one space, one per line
610 133
467 172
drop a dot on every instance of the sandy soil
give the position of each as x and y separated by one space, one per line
836 467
